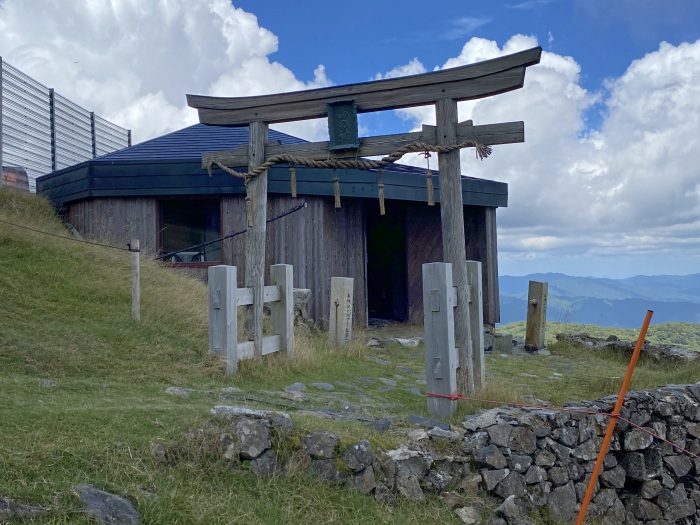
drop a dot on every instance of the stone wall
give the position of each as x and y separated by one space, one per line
535 460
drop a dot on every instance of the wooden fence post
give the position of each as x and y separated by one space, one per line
135 279
439 324
536 315
340 322
223 314
476 321
282 311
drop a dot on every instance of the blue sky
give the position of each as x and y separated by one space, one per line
606 184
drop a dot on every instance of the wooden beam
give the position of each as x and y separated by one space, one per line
257 227
488 134
469 82
453 243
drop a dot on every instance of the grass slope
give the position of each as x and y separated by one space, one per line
65 317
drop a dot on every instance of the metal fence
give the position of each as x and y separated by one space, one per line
42 131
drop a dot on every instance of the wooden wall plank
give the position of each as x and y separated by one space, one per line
116 220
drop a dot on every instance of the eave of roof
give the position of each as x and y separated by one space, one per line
170 166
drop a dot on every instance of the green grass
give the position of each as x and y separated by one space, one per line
65 316
686 335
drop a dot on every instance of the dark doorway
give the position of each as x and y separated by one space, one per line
386 261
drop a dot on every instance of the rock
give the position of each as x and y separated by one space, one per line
468 515
323 386
452 499
562 503
378 360
680 510
519 463
387 382
281 422
363 481
680 465
614 478
320 445
637 439
470 483
493 477
293 396
107 508
500 434
535 474
10 510
544 458
48 383
477 422
438 434
381 425
411 342
178 391
326 470
295 387
417 435
558 476
522 439
650 489
642 466
253 437
437 479
512 485
490 456
409 488
427 422
511 509
266 464
230 390
383 494
236 411
643 509
587 451
359 456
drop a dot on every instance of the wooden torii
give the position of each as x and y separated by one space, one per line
442 88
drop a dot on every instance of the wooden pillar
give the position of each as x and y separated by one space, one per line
492 314
453 245
536 315
135 280
283 310
255 238
438 322
223 318
476 321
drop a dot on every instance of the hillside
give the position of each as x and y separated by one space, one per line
87 395
606 302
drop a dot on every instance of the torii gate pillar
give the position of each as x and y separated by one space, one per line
256 199
453 243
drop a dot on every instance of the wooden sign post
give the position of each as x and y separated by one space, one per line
340 322
440 88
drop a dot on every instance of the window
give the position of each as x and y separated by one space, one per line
187 224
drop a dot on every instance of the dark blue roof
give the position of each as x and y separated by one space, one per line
171 165
189 143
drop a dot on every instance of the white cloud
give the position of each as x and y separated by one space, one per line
630 187
132 61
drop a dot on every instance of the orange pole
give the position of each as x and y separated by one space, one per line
613 419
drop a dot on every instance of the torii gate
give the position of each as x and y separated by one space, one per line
442 88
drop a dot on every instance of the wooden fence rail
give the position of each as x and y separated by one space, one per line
224 300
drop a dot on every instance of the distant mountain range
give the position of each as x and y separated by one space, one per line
606 302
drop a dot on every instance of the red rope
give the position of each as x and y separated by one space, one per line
456 396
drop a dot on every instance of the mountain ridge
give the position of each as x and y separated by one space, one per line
605 301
